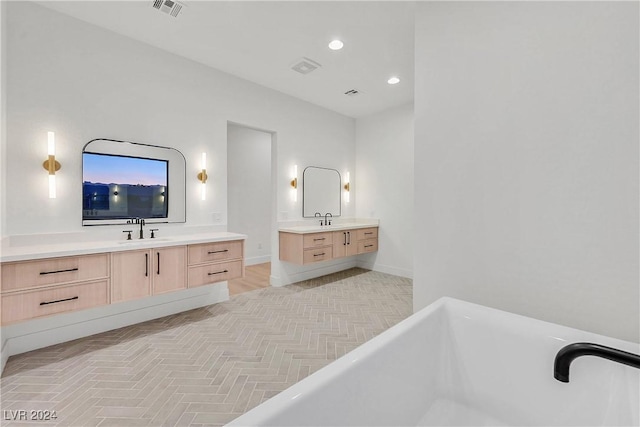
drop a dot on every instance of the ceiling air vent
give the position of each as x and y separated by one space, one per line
305 65
169 7
352 92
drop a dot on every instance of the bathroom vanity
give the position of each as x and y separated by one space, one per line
75 276
310 244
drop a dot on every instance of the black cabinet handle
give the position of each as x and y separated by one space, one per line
217 252
158 262
58 271
60 300
146 265
349 234
322 254
368 246
345 238
324 238
369 232
218 272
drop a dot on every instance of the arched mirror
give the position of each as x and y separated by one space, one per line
123 180
320 191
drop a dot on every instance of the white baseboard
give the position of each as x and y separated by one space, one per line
385 269
44 332
257 260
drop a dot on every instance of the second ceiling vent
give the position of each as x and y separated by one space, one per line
170 7
305 66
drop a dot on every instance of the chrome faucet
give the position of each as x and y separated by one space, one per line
325 218
318 215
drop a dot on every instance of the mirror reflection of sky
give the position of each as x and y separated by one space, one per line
123 170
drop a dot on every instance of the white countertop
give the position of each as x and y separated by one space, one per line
304 229
27 252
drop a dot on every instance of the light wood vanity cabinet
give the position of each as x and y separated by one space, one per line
138 274
215 262
51 271
36 288
169 271
367 240
43 302
307 248
344 243
43 287
130 278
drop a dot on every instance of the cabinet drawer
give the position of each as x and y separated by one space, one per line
211 273
51 271
369 245
367 233
43 302
317 254
317 239
217 251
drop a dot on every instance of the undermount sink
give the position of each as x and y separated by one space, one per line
142 241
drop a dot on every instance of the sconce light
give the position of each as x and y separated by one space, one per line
294 184
51 165
347 188
202 176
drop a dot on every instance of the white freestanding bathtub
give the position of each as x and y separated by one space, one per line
456 363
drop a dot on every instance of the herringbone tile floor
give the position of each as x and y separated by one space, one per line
205 366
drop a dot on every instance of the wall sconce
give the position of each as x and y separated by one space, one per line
347 188
202 176
51 165
294 183
115 193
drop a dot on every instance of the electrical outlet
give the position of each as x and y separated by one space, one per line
217 217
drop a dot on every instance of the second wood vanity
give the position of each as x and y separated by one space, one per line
307 245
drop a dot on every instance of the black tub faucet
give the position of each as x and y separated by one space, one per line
568 353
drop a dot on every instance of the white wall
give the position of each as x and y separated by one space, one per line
3 117
526 160
249 190
384 178
85 82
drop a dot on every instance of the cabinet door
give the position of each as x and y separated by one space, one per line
130 275
339 244
344 243
352 243
169 269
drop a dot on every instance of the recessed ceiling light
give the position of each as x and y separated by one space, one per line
336 45
393 80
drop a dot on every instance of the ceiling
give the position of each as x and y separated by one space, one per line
260 41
